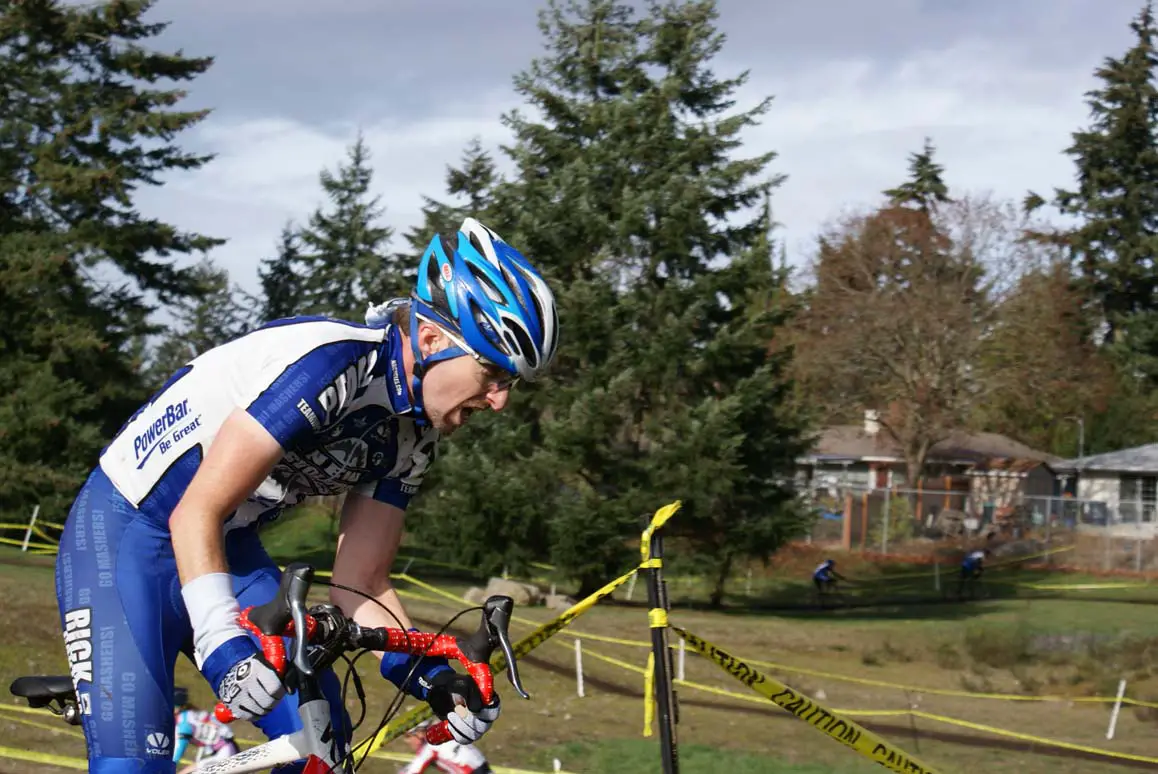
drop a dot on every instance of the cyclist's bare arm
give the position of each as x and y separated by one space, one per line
367 544
238 460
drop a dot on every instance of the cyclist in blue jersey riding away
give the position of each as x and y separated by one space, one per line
971 568
825 577
160 551
212 739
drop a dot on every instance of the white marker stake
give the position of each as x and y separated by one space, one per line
579 667
1117 706
28 532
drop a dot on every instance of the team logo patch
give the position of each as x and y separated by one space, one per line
447 272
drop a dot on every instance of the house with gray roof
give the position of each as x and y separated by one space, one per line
986 470
1125 480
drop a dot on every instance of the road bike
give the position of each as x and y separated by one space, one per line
330 635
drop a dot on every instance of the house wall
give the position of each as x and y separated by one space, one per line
1095 485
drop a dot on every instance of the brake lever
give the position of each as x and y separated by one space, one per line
499 624
301 659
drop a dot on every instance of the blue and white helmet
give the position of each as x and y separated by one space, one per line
489 299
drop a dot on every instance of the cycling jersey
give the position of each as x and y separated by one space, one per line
313 384
450 757
823 572
334 395
973 561
201 729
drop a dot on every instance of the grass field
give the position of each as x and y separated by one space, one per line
1027 646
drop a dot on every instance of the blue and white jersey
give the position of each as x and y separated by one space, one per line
332 393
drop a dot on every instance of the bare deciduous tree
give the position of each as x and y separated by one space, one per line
903 302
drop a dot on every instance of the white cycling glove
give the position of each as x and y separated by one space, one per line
456 699
241 677
250 688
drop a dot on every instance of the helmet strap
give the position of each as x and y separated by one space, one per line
422 364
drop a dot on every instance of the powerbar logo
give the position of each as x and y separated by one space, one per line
78 644
342 391
154 436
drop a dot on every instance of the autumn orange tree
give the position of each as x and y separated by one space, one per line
903 300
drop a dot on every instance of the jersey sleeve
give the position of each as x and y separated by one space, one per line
307 394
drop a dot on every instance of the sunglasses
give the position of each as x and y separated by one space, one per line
498 378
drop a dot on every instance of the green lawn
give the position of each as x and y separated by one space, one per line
984 646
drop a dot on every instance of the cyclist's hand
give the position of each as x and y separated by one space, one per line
243 680
456 699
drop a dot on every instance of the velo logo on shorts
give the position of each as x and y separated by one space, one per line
157 743
340 393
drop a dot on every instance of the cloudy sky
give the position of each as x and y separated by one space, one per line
997 84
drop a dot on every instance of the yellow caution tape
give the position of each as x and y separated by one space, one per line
649 694
16 542
991 568
1033 739
844 731
945 691
657 521
39 757
657 618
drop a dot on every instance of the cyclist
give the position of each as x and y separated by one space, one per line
971 568
211 738
160 550
825 577
452 758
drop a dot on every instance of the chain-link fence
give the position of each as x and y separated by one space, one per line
912 521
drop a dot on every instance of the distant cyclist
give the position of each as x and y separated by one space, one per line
212 739
450 757
825 577
971 568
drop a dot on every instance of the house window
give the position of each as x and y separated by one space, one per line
1138 498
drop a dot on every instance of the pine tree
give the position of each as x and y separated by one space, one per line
472 184
76 112
343 252
281 278
925 188
629 194
56 335
84 124
1116 201
215 315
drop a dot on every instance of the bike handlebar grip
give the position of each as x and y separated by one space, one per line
274 616
439 733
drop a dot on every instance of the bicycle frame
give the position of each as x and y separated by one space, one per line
322 757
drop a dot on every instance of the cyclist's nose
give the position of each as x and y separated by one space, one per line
497 399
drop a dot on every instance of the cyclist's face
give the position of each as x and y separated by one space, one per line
454 389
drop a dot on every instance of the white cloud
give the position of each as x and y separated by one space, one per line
266 173
843 131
